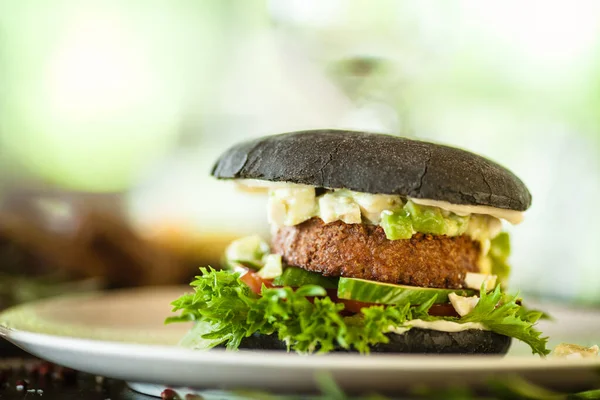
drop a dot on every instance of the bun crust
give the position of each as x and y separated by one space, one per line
375 163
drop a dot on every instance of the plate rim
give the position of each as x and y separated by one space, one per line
338 362
27 336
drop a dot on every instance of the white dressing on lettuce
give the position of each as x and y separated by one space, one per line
437 325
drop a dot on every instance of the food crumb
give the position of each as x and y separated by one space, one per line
574 351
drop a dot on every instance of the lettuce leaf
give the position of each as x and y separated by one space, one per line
503 315
309 321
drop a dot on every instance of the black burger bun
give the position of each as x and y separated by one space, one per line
375 163
414 341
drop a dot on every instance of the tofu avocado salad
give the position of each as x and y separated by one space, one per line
379 244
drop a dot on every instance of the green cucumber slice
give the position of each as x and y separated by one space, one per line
296 277
387 293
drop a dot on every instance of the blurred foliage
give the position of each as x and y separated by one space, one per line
507 387
95 90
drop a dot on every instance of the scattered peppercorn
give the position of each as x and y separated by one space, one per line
169 394
21 384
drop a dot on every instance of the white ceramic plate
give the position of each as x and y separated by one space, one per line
121 335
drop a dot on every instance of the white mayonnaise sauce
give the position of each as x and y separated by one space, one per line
512 216
439 325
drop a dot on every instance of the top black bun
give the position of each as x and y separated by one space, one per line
375 163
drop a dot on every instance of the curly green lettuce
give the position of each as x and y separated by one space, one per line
226 311
503 315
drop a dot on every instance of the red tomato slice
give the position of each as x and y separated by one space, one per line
350 306
255 282
443 310
353 306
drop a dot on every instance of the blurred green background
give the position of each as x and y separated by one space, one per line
121 108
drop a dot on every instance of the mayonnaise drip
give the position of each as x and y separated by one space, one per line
438 325
512 216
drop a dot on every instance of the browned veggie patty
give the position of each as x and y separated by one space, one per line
363 251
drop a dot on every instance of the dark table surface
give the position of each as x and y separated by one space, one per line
25 377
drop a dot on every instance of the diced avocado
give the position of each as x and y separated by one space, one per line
499 252
456 224
500 246
397 224
426 219
404 222
500 269
387 293
296 277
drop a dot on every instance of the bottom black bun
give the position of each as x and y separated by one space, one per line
415 341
